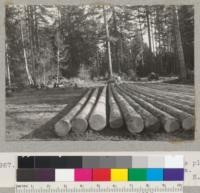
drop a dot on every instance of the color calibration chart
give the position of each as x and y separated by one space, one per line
100 168
104 174
137 172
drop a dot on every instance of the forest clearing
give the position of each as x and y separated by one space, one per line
34 114
89 73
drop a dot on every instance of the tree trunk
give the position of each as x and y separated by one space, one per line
116 44
36 42
58 42
148 28
152 32
8 67
108 42
183 71
32 34
31 82
141 34
58 66
44 73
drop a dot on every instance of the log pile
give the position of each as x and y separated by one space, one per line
138 107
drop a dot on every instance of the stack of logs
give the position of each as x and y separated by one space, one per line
139 107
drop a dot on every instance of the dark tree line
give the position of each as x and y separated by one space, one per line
45 42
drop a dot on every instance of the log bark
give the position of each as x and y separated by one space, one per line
63 126
80 122
97 120
185 108
169 122
151 123
187 120
115 116
134 121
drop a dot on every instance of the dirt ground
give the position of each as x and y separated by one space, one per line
31 115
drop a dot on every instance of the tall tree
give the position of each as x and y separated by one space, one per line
108 42
8 66
30 79
183 71
148 27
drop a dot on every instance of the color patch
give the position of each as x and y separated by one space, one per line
107 162
36 175
139 162
64 175
123 162
173 174
25 162
155 174
119 174
174 161
91 162
101 175
156 162
25 175
58 162
44 175
83 174
137 174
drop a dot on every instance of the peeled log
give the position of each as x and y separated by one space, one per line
186 108
134 121
80 122
173 94
63 126
115 117
150 121
97 120
169 122
161 94
172 88
186 119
